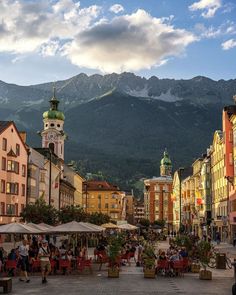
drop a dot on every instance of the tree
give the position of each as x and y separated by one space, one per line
39 212
159 222
144 222
98 218
72 213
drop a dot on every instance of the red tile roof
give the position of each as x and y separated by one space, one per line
94 185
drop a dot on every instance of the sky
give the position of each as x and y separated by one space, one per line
50 40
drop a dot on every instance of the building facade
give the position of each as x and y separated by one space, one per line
139 212
102 197
219 188
13 176
157 194
37 173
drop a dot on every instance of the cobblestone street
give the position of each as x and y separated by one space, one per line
131 281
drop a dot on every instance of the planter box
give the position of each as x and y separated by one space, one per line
149 273
113 273
195 267
205 275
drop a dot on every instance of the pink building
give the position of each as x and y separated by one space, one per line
13 172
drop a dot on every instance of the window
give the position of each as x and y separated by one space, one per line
52 125
22 207
22 190
16 209
3 185
17 149
42 177
12 188
4 144
106 205
2 208
10 209
23 170
13 166
4 163
58 125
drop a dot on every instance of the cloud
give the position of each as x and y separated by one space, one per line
25 26
129 42
231 43
226 28
209 7
116 8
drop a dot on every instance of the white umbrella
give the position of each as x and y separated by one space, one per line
127 226
76 227
92 226
109 225
18 228
45 225
39 227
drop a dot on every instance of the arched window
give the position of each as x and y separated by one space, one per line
51 146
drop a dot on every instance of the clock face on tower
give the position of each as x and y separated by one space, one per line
51 136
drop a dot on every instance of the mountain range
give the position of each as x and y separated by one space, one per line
119 124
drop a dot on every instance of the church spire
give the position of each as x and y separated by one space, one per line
166 165
54 102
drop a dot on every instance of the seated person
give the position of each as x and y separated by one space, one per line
183 252
162 256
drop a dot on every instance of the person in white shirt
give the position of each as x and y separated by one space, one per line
24 261
44 255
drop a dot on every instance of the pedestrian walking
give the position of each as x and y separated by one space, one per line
44 255
234 241
218 239
24 261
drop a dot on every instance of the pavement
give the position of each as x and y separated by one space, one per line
131 281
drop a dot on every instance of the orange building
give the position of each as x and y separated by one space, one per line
100 196
13 172
158 204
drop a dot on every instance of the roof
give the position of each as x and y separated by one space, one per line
4 125
188 171
160 179
95 185
67 183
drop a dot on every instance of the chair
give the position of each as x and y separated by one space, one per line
126 257
178 267
35 266
64 265
102 258
163 265
186 264
11 265
83 263
53 264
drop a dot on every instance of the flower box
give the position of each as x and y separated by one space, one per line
205 275
149 273
113 272
195 267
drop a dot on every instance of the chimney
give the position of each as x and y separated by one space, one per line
23 136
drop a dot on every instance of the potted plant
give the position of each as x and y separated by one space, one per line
204 254
149 258
114 251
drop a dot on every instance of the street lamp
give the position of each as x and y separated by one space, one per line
86 196
180 203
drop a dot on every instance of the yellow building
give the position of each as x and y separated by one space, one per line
102 197
77 181
219 187
198 209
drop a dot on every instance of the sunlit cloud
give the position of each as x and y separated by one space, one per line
209 7
116 8
229 44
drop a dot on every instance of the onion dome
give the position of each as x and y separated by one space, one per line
54 113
